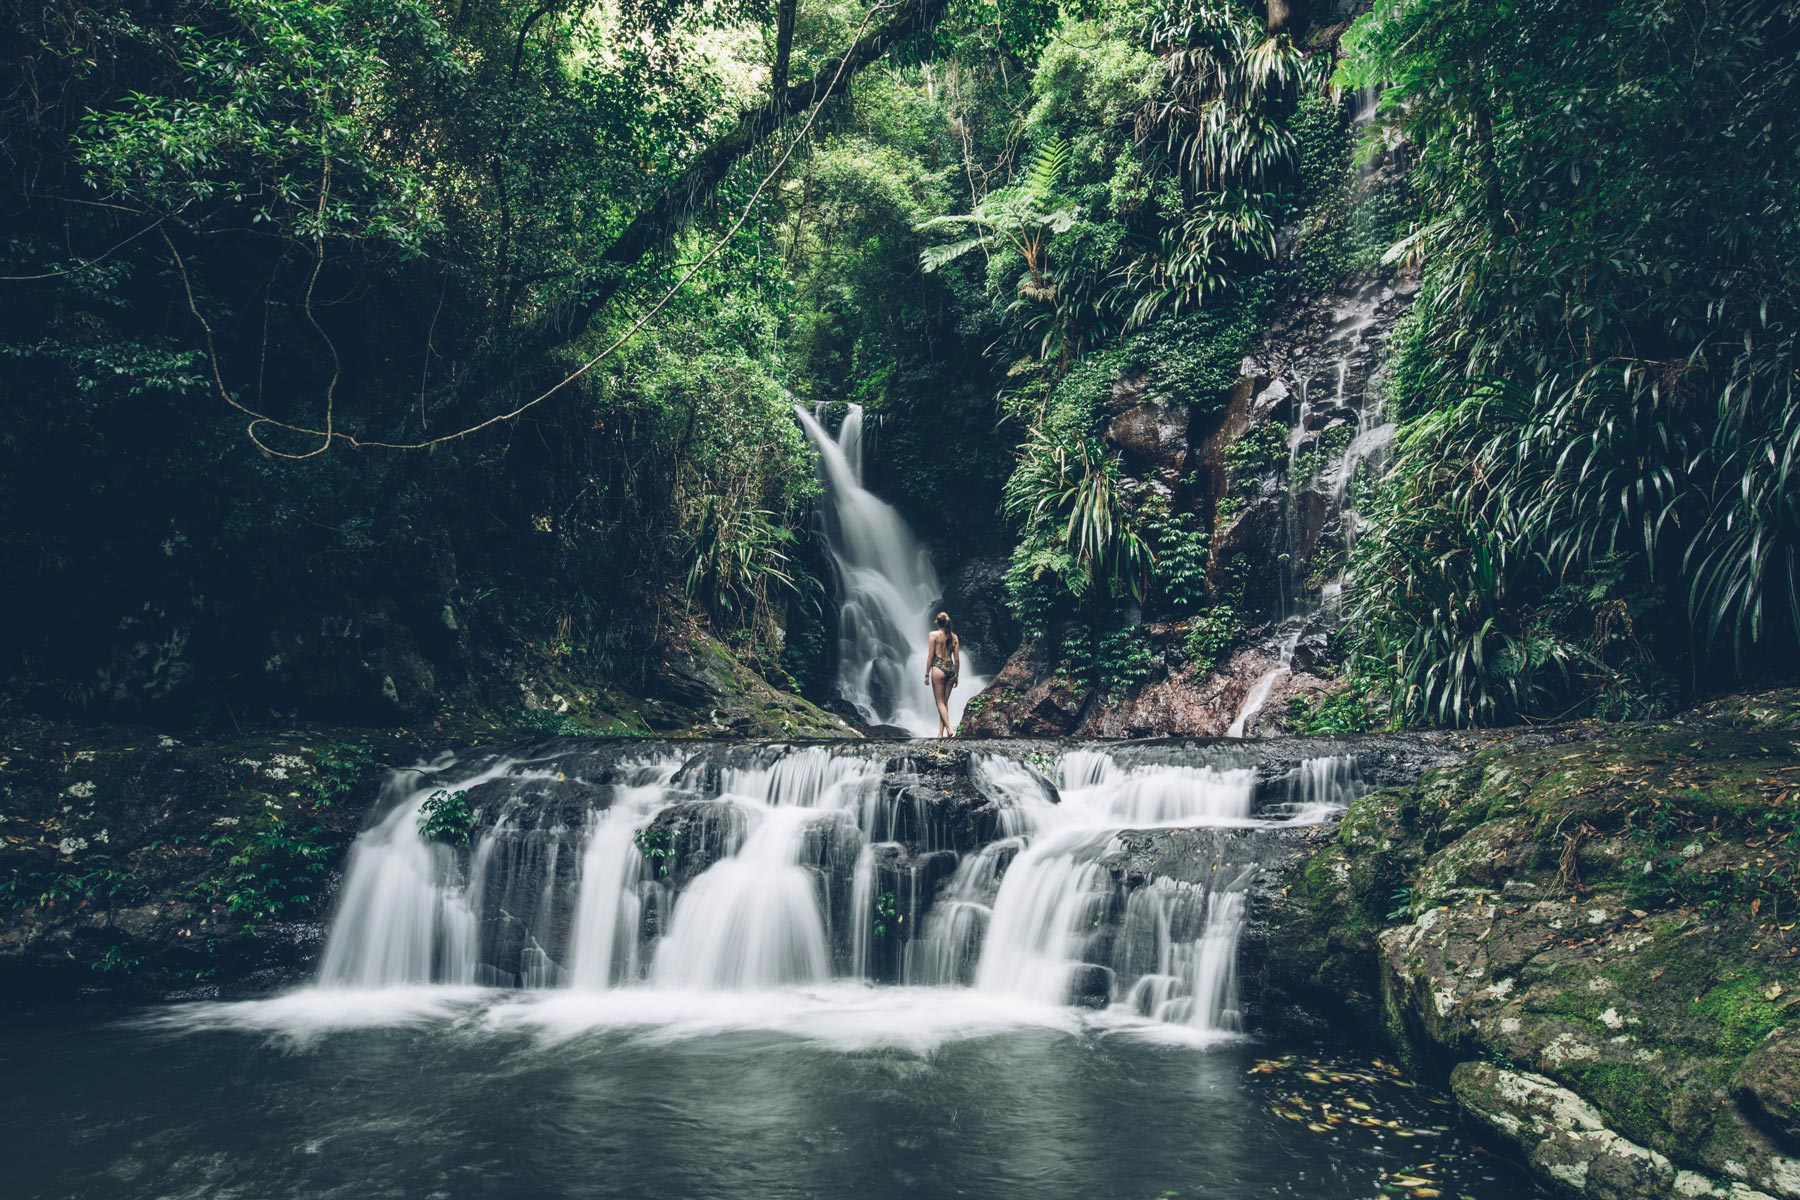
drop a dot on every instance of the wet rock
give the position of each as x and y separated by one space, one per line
1090 986
1026 699
1567 1142
1150 433
1514 910
1243 547
687 838
1767 1085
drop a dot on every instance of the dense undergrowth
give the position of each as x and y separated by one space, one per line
269 262
1595 507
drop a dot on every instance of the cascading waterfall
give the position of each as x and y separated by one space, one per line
761 869
887 588
1056 893
753 920
405 916
1366 448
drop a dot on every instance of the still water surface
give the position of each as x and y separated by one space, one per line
835 1092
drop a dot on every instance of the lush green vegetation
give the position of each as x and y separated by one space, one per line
445 817
1595 505
364 353
353 343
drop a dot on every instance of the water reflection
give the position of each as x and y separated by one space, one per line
475 1100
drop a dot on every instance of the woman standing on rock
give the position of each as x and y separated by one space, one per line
943 659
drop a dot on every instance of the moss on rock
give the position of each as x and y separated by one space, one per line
1614 914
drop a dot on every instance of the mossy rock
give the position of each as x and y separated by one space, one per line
1613 913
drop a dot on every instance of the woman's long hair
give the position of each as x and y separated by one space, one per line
947 629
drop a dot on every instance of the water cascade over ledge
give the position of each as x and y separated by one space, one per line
1020 876
887 588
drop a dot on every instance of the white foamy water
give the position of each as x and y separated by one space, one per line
888 592
582 899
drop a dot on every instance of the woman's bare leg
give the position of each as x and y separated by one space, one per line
940 691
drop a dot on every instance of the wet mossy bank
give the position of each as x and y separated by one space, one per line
1596 940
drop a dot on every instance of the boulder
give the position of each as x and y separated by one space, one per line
1767 1085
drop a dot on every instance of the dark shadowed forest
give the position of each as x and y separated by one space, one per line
365 358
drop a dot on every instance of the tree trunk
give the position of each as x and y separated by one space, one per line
784 45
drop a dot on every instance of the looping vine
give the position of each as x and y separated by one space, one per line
330 435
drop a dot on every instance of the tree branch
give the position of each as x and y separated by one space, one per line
664 216
784 45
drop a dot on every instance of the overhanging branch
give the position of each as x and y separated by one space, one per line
663 218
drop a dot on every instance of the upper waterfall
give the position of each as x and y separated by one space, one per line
887 590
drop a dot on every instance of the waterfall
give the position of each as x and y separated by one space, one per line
610 908
1317 495
1291 630
406 915
1056 894
887 592
614 870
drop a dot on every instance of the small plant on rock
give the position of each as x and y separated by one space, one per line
658 846
1209 635
887 913
445 817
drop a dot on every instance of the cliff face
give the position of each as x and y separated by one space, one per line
1272 476
1594 939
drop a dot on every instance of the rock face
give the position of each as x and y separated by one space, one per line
1278 528
1767 1086
1566 1140
1594 933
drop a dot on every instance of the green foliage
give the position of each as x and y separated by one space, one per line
1209 635
1177 544
1194 358
1218 125
887 914
550 724
1122 660
339 769
658 847
378 206
805 648
273 861
1326 451
292 97
94 878
1594 496
445 817
1256 451
1023 216
1079 541
1344 711
116 958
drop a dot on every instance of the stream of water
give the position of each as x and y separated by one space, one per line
788 894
